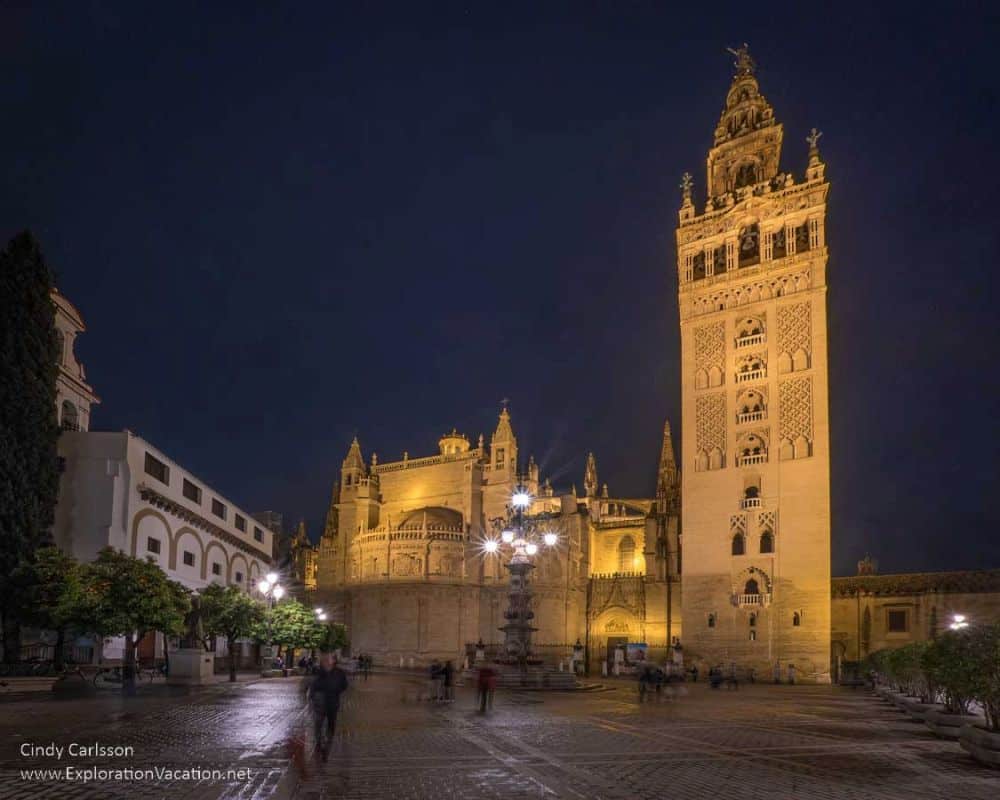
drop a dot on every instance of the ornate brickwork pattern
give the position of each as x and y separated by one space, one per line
796 408
795 328
710 346
738 523
710 416
765 521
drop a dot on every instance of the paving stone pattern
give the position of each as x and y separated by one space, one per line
761 741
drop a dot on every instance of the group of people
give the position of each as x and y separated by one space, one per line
442 682
659 680
364 665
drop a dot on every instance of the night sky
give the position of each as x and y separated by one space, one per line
285 227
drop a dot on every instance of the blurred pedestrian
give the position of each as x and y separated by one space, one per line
325 689
777 672
486 683
791 674
448 675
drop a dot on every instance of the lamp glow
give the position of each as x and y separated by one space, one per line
521 500
551 539
507 536
322 617
531 549
279 592
490 545
263 587
272 577
958 622
318 610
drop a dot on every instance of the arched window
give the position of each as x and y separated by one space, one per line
753 620
711 620
751 492
751 587
796 619
739 545
753 634
70 418
767 542
626 554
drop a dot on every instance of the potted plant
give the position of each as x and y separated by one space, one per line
983 743
949 665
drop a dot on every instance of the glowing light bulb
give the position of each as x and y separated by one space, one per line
521 500
263 587
507 536
318 610
322 617
491 546
531 549
279 592
551 539
272 577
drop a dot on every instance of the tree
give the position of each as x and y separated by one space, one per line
49 595
949 665
29 474
985 657
291 625
126 596
229 612
333 637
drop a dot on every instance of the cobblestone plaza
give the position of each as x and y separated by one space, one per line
761 741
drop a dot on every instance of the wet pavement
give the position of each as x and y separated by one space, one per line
761 741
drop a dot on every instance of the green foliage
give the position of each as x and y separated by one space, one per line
230 612
49 594
984 655
905 671
334 637
949 665
29 476
291 624
126 596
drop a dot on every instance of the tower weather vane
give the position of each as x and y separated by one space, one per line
813 137
744 63
686 182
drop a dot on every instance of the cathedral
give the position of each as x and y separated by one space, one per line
402 556
402 559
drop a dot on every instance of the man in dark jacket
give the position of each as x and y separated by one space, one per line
329 682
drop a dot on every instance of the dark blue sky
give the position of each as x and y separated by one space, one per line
285 226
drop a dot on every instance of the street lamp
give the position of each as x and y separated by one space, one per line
958 622
272 591
523 537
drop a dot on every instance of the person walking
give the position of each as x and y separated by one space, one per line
325 689
777 672
448 673
791 674
485 685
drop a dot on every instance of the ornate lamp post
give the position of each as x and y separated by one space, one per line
522 536
272 591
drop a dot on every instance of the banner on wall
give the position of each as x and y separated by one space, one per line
636 651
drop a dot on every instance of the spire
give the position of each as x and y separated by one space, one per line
504 432
354 459
747 138
666 479
590 476
300 537
816 166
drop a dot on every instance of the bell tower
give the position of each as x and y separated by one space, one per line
755 455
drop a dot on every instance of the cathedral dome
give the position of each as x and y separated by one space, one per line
432 517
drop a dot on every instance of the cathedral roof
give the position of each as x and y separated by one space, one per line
432 516
977 580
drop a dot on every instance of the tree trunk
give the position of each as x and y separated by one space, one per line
11 639
128 670
231 644
166 654
57 657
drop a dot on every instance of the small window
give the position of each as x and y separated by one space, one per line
218 508
739 545
500 458
192 492
796 619
753 620
188 558
239 577
152 545
753 635
711 620
157 469
897 622
216 568
240 522
258 534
